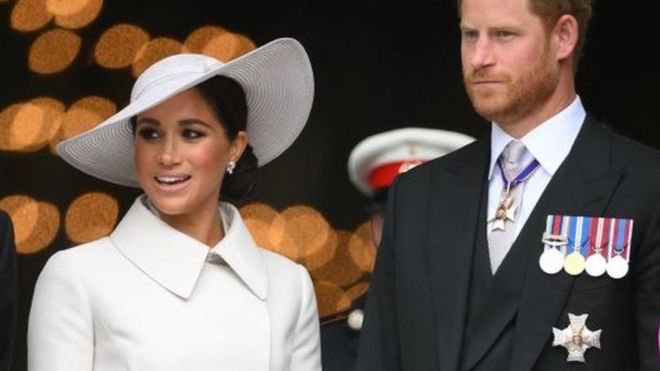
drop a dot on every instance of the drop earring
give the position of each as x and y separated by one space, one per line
231 165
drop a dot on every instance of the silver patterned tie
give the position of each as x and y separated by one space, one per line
500 239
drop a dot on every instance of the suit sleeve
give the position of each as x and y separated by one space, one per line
646 275
8 304
307 341
60 328
379 340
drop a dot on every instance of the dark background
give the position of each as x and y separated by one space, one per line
377 66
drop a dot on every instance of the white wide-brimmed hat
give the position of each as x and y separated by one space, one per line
279 87
378 159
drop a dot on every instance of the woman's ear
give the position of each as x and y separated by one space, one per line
237 146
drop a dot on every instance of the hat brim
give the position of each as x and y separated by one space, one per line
279 86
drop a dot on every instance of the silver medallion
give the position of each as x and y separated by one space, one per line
617 267
596 265
551 261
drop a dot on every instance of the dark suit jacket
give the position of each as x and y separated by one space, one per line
339 342
7 291
417 310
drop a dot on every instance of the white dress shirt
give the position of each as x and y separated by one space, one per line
549 143
150 298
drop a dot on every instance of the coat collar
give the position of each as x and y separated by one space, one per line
175 260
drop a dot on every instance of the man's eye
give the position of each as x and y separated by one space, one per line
192 134
504 34
148 134
470 35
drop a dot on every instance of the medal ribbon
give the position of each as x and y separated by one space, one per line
553 231
627 246
521 177
564 232
605 237
574 234
624 232
595 235
584 236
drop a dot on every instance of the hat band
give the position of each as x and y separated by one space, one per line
383 175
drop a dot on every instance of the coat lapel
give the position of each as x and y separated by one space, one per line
454 203
581 186
584 187
175 260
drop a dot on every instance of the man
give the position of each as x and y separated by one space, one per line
372 167
482 264
7 291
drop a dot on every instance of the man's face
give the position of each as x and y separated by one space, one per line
509 69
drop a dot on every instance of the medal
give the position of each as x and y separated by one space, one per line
506 210
552 258
617 267
596 263
574 262
576 338
551 261
619 252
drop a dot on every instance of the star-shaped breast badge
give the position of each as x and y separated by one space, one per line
576 338
506 211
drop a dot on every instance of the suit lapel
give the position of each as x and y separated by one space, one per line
454 203
581 186
584 187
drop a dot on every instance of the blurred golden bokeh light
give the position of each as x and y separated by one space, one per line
317 259
53 115
27 127
198 39
153 51
91 216
53 51
6 122
228 46
35 223
119 45
361 247
65 7
83 115
357 290
29 15
330 298
76 13
341 270
265 225
306 231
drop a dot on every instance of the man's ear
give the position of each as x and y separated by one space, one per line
565 35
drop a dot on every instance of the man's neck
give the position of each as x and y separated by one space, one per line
562 97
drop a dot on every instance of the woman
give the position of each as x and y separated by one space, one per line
180 284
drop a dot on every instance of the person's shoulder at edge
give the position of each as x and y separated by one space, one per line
88 252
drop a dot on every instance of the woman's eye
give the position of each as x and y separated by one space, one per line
148 134
192 134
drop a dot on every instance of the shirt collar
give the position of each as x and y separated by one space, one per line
175 260
549 143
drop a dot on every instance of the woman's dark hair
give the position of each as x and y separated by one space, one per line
227 99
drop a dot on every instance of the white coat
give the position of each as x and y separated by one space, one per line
149 297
